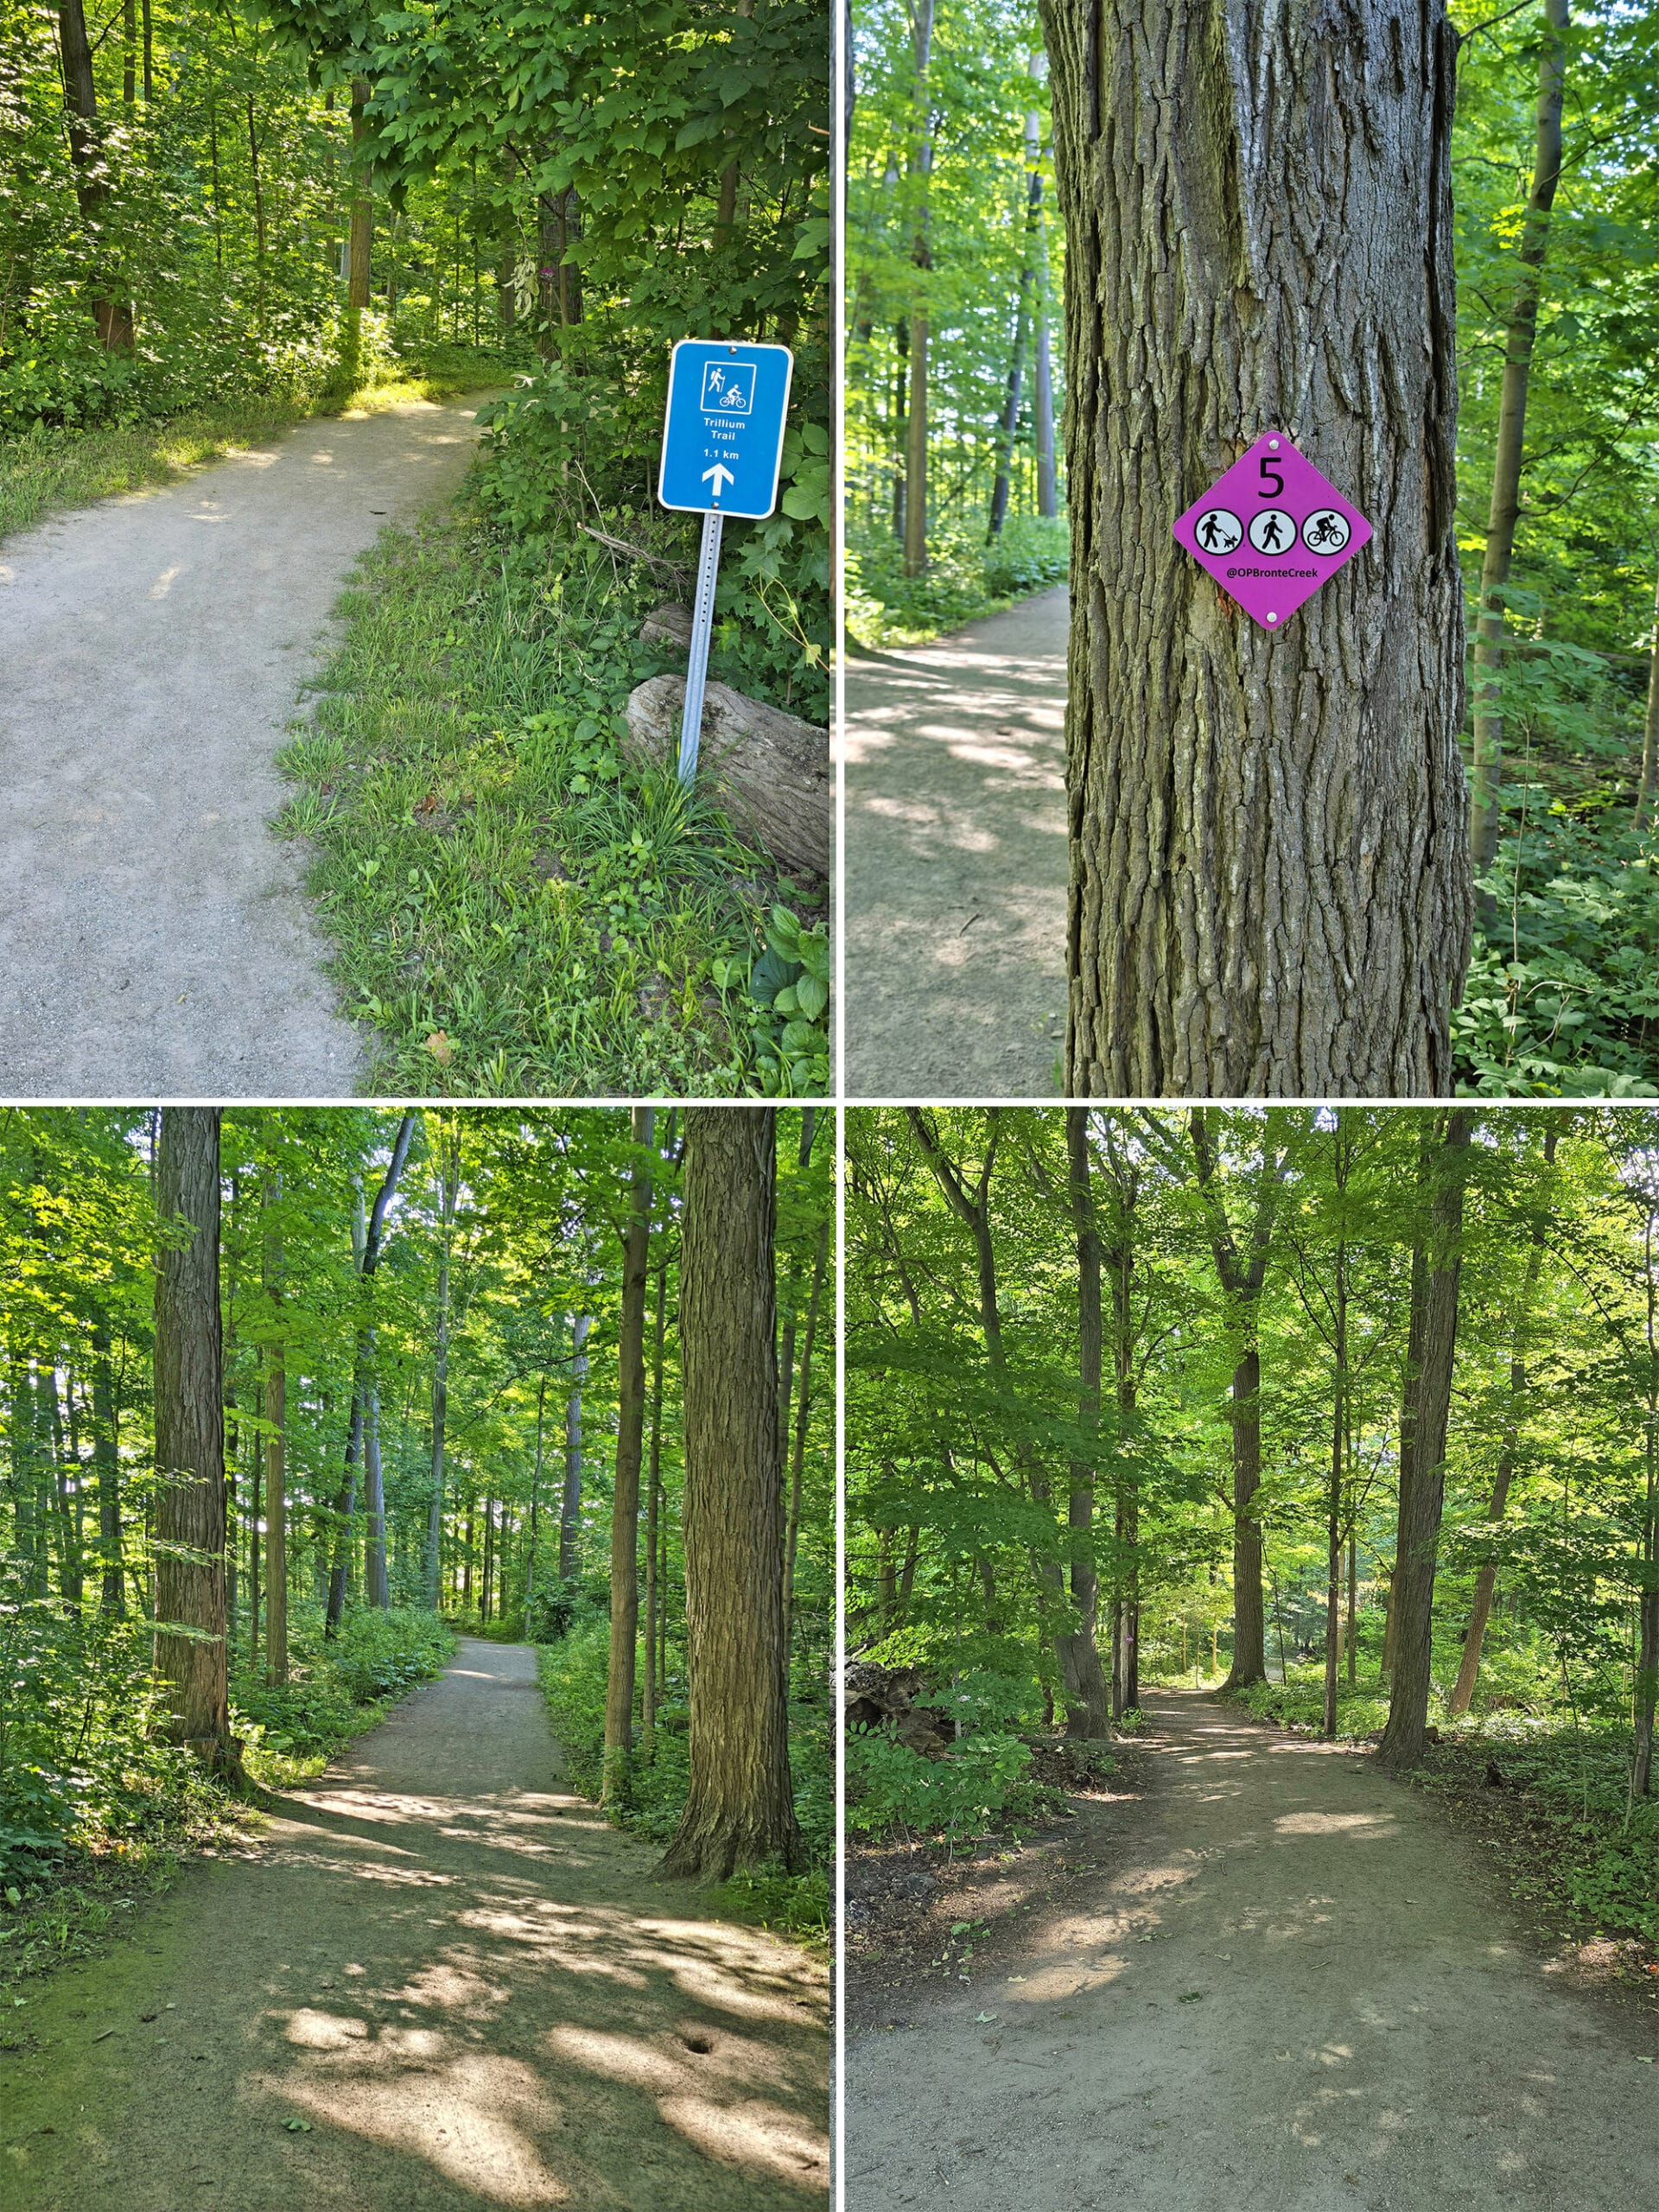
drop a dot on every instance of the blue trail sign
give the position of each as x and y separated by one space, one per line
723 438
723 449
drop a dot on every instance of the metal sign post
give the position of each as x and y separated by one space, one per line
697 666
722 451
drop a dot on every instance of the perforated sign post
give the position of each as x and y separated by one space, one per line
1272 530
723 448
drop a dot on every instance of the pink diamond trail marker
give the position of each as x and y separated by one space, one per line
1272 531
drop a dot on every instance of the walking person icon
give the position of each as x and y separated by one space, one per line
1273 532
1219 531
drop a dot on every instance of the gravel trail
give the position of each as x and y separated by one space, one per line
465 1986
153 938
955 906
1293 1989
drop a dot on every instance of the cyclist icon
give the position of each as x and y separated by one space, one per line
1326 531
1273 532
1219 531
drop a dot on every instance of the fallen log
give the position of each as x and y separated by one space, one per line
770 771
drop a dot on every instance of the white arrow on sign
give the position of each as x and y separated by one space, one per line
722 476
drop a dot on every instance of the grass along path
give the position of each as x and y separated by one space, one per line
438 1979
1290 1988
43 472
515 908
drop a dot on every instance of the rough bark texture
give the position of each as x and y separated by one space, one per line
191 1654
1431 1346
920 169
770 771
1269 847
739 1810
625 1497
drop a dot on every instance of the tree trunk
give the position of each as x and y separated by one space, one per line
448 1153
625 1498
921 254
726 206
803 1417
190 1651
1486 1580
1048 502
86 160
1270 873
364 1422
1087 1704
1241 1274
1647 790
275 1443
739 1808
106 1464
1520 339
654 1504
1010 425
1431 1347
376 1588
571 1505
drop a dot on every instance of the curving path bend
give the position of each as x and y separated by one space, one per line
465 1985
1295 1992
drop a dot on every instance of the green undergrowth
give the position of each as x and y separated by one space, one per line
574 1670
516 906
989 1780
964 579
45 469
96 1813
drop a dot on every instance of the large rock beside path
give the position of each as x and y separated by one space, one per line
770 771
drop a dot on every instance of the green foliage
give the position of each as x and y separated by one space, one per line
335 1689
783 999
983 1778
1563 992
965 578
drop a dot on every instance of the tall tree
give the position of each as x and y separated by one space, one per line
740 1808
275 1442
1270 885
570 1503
630 1451
367 1242
920 169
1521 338
1241 1255
191 1650
1088 1707
1436 1265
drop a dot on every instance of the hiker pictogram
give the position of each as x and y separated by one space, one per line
1272 531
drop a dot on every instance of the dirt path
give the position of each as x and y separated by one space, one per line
1292 1991
956 861
464 1982
154 941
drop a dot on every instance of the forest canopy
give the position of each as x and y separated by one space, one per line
451 1398
1353 1412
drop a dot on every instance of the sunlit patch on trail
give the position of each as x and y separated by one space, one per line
1363 1824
